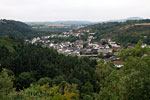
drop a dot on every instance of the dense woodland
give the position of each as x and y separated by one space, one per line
33 72
16 29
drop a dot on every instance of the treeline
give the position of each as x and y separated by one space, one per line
33 72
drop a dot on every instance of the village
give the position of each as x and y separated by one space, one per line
104 49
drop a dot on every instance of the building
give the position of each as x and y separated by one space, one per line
116 48
104 51
118 64
144 45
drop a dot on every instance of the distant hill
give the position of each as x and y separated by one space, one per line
80 22
63 22
130 31
75 22
123 20
15 29
134 18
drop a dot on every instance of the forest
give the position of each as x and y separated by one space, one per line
33 72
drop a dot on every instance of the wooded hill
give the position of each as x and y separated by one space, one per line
16 29
123 32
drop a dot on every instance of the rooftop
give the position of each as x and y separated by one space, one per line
118 62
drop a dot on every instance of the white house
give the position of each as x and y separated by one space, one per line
118 64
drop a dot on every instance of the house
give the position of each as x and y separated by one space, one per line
144 45
116 48
104 51
101 46
114 44
35 40
118 64
107 47
113 58
116 53
91 33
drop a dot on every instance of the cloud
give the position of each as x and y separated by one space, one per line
93 10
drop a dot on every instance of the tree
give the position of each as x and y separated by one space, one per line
87 88
57 80
6 84
87 97
85 45
45 80
25 79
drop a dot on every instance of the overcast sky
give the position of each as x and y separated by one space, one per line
81 10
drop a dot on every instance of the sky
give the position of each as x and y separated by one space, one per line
69 10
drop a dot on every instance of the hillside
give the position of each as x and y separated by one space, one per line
16 29
123 32
33 72
37 62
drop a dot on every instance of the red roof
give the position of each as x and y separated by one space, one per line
118 63
116 48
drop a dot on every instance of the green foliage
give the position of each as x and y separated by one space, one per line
130 82
87 97
85 45
33 62
58 79
138 51
6 84
24 80
44 74
87 88
45 80
16 29
102 72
